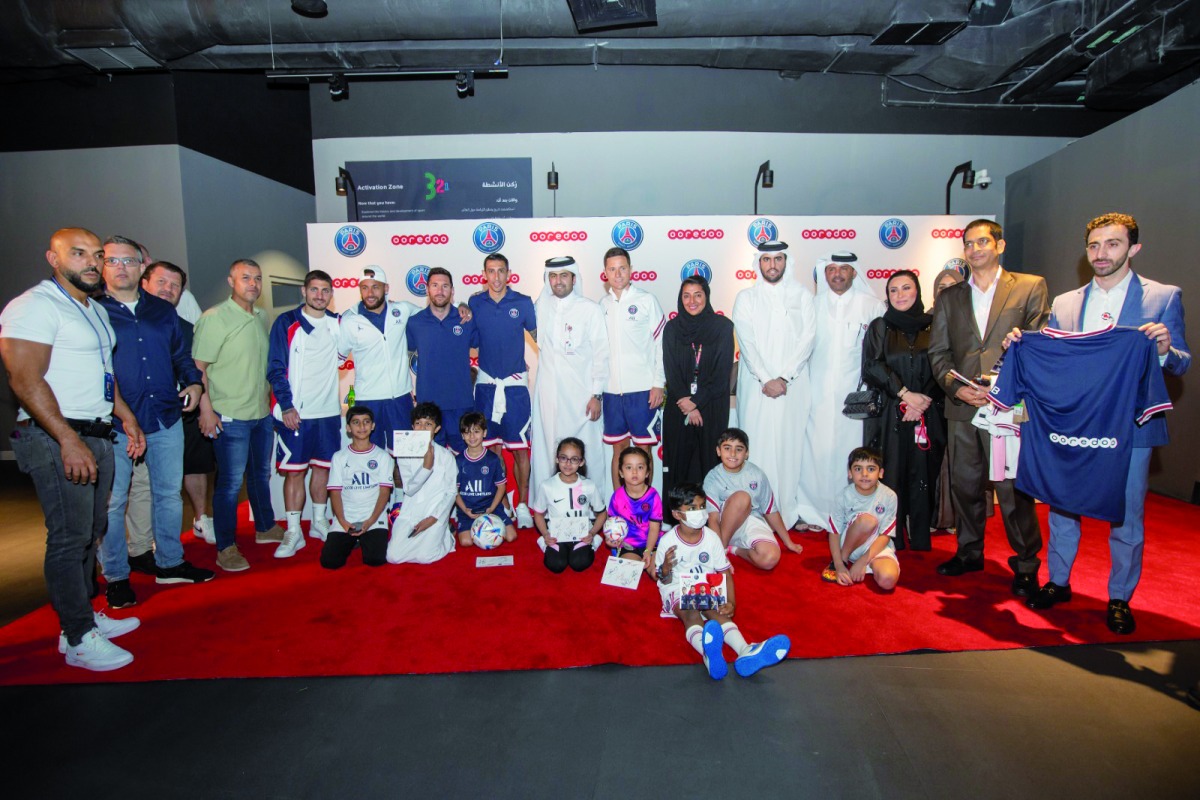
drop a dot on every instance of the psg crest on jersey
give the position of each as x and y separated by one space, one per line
761 231
893 233
879 509
488 237
704 557
696 268
514 313
485 470
458 330
350 240
418 280
372 464
754 485
627 233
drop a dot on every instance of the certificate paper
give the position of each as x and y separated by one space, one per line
623 573
494 561
410 444
569 529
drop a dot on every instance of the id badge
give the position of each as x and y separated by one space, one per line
693 388
110 387
920 436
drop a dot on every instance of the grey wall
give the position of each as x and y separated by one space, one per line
630 172
1145 165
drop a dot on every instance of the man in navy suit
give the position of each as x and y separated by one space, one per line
1117 296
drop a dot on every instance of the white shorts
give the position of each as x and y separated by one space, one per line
754 529
862 551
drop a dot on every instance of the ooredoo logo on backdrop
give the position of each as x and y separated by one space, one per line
947 233
420 238
628 234
417 280
828 233
761 231
893 233
558 236
696 267
695 233
475 279
641 277
350 240
488 237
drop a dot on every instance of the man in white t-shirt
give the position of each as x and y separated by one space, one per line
302 367
57 347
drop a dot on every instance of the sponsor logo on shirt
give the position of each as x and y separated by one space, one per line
1102 443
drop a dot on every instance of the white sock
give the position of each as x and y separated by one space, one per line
320 515
734 638
695 637
293 520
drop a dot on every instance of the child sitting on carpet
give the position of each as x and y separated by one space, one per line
481 481
862 526
690 550
566 500
421 532
636 502
360 483
742 506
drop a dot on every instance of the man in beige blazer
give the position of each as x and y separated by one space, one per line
970 321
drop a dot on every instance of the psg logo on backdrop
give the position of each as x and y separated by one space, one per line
958 265
418 280
488 237
350 240
695 268
627 233
893 233
761 231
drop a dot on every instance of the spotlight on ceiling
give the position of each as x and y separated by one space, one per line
765 178
464 82
338 88
310 8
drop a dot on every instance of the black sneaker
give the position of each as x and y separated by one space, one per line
184 573
120 594
144 563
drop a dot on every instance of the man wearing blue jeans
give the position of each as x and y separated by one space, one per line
57 346
230 348
151 362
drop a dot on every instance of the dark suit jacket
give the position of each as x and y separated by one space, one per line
1021 301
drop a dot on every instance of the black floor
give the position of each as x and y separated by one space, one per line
1064 722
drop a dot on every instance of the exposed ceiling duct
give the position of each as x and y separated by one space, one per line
1108 54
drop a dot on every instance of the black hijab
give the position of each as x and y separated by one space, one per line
707 326
914 320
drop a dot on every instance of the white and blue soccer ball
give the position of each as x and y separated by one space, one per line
615 529
487 532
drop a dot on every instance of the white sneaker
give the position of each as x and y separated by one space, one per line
319 529
203 529
97 653
109 628
524 518
293 540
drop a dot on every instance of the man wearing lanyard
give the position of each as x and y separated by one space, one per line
441 340
230 348
57 347
502 383
151 362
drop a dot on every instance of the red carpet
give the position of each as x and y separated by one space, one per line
291 618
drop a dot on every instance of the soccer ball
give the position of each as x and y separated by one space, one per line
615 529
487 532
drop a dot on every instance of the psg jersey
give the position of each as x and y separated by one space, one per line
1084 393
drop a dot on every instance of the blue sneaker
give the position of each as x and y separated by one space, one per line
714 642
763 654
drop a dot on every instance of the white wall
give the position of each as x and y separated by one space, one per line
606 174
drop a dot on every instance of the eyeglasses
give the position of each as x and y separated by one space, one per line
570 460
127 261
978 244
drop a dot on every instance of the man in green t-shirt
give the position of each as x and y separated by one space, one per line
230 348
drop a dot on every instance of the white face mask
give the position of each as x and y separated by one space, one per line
695 518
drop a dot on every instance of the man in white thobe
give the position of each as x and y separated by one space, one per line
572 370
845 307
775 324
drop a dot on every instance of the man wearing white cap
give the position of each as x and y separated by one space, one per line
775 323
845 307
374 331
572 368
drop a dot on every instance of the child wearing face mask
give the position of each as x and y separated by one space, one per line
694 550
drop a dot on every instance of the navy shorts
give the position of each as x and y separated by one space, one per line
465 522
311 445
390 415
449 435
629 416
513 429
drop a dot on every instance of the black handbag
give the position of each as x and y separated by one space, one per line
863 403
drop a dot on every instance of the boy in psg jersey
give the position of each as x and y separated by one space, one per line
360 483
863 525
742 506
481 481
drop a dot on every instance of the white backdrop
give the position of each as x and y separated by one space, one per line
663 250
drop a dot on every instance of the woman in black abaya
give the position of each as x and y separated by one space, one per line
698 361
911 431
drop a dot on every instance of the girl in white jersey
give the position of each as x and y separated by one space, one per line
568 511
